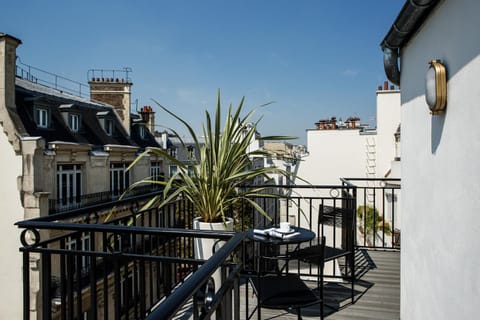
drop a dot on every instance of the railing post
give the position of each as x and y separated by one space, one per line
46 276
26 285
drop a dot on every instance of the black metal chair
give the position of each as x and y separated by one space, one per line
317 253
287 290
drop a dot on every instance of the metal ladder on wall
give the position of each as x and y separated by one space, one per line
371 165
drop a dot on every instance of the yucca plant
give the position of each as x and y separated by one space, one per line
214 186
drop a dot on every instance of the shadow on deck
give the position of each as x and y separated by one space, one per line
377 292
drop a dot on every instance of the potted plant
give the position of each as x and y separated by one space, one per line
213 187
371 222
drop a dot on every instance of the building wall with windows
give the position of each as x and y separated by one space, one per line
58 150
440 172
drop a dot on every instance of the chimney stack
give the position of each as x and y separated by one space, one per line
148 116
8 57
114 93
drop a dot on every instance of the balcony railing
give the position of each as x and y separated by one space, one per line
51 80
138 266
377 212
71 203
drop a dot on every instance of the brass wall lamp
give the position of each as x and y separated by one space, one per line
436 87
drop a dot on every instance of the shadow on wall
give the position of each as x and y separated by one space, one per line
438 122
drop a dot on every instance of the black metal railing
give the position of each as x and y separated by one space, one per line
70 203
120 269
196 287
327 210
127 266
378 223
51 80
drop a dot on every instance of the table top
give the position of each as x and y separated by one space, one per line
300 235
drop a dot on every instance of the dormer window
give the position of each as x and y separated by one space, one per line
109 126
142 132
41 117
191 152
172 151
74 122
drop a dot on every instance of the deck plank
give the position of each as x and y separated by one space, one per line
377 293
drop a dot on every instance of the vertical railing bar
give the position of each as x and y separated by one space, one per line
365 216
70 288
236 302
383 218
393 218
117 285
374 217
93 278
143 307
26 285
45 282
78 273
63 279
105 277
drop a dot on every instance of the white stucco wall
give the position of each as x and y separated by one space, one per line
388 119
440 260
11 211
333 154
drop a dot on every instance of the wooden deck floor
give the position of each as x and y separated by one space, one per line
377 293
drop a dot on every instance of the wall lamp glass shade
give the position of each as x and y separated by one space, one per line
436 87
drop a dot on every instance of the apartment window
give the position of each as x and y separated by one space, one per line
142 132
172 152
41 117
80 244
109 126
172 170
191 171
69 184
119 178
191 152
156 171
74 122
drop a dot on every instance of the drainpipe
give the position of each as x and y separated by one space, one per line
409 20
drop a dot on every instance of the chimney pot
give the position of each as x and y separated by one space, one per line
379 88
385 85
392 87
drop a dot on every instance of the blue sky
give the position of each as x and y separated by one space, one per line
314 58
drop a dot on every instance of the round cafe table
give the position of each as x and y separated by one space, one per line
298 235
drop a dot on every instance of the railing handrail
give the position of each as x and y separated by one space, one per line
96 207
55 85
169 307
47 225
56 205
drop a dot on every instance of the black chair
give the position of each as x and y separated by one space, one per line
317 253
287 290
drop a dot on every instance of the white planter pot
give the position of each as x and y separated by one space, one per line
204 248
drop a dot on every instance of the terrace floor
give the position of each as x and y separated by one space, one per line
377 293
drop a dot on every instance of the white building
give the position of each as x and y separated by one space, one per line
440 255
354 150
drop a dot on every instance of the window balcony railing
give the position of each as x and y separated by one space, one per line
70 203
142 266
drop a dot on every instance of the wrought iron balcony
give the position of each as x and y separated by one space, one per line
142 266
75 202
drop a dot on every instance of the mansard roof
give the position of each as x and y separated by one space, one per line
59 105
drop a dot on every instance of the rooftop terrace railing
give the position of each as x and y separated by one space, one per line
378 222
126 267
51 80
